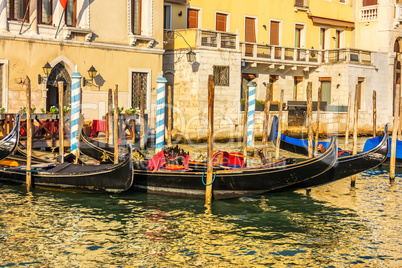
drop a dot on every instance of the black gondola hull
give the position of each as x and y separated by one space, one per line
236 182
347 165
101 178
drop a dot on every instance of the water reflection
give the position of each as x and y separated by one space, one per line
330 227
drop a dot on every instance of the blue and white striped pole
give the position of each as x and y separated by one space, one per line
251 114
75 109
160 114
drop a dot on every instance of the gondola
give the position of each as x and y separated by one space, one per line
234 182
75 177
9 143
97 150
373 142
346 165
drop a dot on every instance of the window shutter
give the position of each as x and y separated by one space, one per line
369 2
221 22
250 30
274 37
192 18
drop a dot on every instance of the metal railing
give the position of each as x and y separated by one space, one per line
217 39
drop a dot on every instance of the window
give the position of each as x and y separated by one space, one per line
298 35
16 10
359 89
343 1
139 89
45 11
167 17
250 35
136 17
297 81
221 74
369 2
326 89
221 21
192 18
71 13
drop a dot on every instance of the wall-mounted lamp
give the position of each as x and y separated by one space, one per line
92 74
180 13
190 56
46 70
312 52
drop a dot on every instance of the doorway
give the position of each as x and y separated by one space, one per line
58 73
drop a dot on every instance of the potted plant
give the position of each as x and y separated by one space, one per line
2 115
43 114
130 113
24 112
54 111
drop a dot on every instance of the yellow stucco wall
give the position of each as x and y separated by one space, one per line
113 66
266 10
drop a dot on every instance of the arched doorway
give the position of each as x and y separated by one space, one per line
59 73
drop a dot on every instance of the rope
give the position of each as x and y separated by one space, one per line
213 179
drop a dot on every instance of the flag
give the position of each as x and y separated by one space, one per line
63 3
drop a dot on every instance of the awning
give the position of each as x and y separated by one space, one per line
340 23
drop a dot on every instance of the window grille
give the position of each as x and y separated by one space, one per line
139 88
221 74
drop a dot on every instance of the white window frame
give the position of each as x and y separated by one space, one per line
227 19
199 16
280 30
171 14
149 86
5 84
255 25
146 18
303 34
342 37
327 41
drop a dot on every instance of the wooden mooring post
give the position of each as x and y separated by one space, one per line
109 115
394 132
61 121
347 120
210 167
142 121
374 113
309 119
355 124
318 119
29 133
115 125
265 125
169 115
278 137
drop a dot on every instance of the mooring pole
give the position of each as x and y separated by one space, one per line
309 119
400 118
265 125
347 120
109 115
75 113
115 125
251 116
278 137
374 113
142 120
355 124
160 114
61 121
245 125
318 118
394 132
29 133
170 115
210 167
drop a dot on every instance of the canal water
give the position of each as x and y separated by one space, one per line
333 226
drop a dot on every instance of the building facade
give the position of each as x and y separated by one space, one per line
122 40
335 45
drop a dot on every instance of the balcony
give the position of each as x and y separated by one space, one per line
369 13
199 38
291 56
